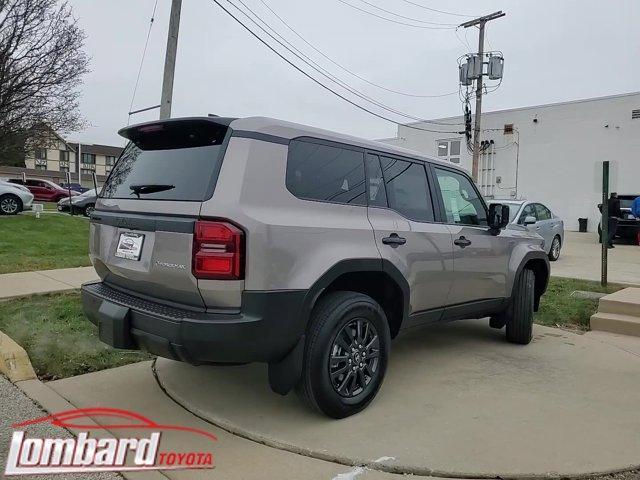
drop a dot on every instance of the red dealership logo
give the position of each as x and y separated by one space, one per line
102 452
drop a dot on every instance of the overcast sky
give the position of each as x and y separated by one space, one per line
554 51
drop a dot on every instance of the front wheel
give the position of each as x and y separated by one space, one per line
554 251
88 210
520 314
10 204
346 354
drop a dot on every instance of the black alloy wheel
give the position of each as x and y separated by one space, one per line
354 362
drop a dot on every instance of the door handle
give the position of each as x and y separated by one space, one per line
462 242
394 240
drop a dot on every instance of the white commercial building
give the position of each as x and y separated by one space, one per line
550 153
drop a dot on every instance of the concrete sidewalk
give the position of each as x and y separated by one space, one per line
44 281
454 396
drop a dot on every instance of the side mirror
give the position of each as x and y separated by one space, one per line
498 216
530 220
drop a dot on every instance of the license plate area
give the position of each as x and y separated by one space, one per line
130 245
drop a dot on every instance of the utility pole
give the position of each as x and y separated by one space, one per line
170 60
480 22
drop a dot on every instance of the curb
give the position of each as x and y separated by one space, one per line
14 361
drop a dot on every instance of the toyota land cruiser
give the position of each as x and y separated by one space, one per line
221 240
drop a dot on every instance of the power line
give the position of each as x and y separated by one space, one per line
408 18
318 68
311 77
399 22
436 10
345 68
144 53
465 42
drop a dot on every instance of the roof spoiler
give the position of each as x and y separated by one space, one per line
132 131
178 133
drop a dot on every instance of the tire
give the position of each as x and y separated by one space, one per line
88 210
554 251
341 392
10 204
520 315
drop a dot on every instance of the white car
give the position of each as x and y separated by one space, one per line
537 218
14 198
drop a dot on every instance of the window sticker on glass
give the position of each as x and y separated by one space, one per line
454 209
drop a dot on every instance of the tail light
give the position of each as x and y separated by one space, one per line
218 251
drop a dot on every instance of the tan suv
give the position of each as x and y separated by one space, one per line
226 241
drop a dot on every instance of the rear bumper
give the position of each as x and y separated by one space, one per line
268 327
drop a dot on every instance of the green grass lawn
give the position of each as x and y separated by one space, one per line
51 241
58 338
559 308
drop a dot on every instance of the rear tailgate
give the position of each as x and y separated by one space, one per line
142 228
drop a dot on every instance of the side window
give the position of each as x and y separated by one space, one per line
462 204
34 183
543 212
325 173
528 211
407 189
376 192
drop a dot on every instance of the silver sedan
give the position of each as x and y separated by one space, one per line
14 198
538 218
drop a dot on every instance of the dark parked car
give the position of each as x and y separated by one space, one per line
628 225
75 187
44 190
83 203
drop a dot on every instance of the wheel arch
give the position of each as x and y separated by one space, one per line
375 277
539 263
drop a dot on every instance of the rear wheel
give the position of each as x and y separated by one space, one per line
554 251
10 204
520 314
346 354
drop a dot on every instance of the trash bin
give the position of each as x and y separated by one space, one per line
582 225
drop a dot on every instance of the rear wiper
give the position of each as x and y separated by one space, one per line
149 188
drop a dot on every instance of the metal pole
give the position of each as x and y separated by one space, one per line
604 228
170 60
68 178
79 156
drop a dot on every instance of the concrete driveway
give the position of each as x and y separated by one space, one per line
580 258
458 401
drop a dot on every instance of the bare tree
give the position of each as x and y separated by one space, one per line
41 67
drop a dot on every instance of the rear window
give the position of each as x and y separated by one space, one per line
174 161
